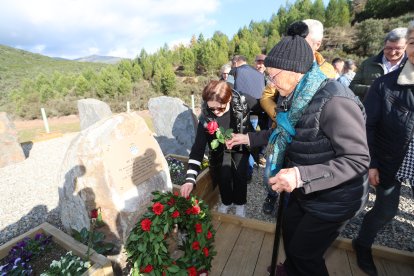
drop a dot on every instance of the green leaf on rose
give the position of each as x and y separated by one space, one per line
214 144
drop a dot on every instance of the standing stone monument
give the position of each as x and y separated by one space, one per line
91 111
10 150
174 123
113 165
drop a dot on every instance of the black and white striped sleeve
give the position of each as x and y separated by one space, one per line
196 155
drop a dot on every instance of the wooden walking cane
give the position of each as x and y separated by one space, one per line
276 242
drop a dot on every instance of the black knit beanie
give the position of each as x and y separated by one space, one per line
292 53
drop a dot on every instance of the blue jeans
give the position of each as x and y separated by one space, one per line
384 210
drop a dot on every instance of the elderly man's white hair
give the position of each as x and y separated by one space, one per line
396 34
315 29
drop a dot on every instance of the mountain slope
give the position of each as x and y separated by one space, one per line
100 59
16 65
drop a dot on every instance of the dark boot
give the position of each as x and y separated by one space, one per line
269 204
364 258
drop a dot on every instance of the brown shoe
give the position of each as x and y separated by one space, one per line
262 162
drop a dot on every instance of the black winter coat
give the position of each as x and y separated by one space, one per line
390 124
331 153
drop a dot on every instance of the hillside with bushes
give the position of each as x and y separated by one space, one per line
353 29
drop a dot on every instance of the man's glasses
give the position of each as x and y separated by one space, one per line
219 109
397 49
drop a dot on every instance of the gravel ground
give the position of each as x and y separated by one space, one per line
399 234
29 197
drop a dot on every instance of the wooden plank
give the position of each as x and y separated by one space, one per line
5 248
245 222
379 251
226 237
386 267
69 243
355 270
337 262
216 224
101 264
265 255
243 259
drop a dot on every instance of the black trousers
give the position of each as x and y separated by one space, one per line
306 238
230 172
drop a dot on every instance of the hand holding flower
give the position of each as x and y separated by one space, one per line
221 134
237 139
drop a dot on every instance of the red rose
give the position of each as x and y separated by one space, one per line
212 127
157 208
171 202
175 214
196 245
146 224
209 235
195 210
94 213
189 211
147 269
198 228
176 193
192 271
205 251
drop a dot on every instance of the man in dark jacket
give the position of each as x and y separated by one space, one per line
390 131
248 80
389 59
327 164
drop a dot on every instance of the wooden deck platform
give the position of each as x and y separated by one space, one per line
244 247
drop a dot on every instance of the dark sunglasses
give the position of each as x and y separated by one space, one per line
219 109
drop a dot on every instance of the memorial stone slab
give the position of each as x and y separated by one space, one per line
10 149
114 164
91 111
174 123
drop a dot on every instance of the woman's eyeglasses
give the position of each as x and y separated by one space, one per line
272 78
219 109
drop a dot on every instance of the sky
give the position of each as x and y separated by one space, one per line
78 28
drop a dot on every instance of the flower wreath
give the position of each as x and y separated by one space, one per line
147 243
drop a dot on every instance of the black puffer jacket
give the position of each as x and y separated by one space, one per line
390 124
331 153
335 176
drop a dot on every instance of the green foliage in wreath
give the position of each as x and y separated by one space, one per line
147 245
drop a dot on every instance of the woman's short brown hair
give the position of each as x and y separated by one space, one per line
219 91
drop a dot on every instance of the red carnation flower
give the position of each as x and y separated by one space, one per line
195 210
196 245
176 193
212 127
171 202
157 208
175 214
146 225
147 269
192 271
94 213
209 235
205 251
189 211
198 228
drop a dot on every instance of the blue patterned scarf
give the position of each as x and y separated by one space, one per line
286 121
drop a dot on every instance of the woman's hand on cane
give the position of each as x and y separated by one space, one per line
284 180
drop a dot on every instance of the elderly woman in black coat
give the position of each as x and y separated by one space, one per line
318 153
